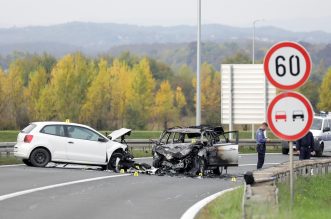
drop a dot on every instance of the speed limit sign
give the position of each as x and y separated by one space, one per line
287 65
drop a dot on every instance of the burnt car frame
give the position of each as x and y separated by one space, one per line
195 150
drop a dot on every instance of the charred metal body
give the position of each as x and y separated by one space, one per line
195 150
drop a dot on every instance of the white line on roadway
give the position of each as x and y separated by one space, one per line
20 193
243 165
194 209
13 165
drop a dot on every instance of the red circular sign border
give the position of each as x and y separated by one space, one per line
296 46
307 104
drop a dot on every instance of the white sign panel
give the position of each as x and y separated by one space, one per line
245 94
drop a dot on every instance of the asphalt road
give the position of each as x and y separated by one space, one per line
122 197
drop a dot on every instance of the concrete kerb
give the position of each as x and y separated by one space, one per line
261 198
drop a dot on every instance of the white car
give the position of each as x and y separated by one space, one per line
322 135
59 142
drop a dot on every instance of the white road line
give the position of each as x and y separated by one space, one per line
142 158
12 165
250 164
251 154
194 209
24 192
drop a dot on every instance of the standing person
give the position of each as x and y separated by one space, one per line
305 146
260 144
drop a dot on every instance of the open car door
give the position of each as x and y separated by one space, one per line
223 152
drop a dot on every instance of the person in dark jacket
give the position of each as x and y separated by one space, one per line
261 144
305 146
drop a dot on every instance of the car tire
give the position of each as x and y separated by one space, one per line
27 162
40 157
113 159
218 171
319 152
157 160
285 151
202 166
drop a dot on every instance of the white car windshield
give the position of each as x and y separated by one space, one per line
317 124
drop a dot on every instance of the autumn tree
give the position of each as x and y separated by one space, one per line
64 96
14 98
183 79
180 100
142 95
107 97
325 94
210 94
164 109
37 82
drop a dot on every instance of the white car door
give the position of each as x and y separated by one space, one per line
222 153
84 145
55 140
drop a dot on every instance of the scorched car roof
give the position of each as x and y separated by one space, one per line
185 130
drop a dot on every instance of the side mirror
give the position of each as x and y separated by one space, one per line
102 139
326 129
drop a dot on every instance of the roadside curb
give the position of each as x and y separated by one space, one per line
194 209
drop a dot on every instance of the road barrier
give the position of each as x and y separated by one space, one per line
261 198
7 148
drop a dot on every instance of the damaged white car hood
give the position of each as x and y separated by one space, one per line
119 133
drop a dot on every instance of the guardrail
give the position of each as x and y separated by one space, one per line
261 197
7 148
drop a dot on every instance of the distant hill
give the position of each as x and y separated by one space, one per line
95 38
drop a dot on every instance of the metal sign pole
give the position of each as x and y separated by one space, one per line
291 173
198 103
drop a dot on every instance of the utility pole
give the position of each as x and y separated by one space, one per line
198 101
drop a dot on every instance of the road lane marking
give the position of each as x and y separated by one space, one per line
194 209
24 192
12 165
251 164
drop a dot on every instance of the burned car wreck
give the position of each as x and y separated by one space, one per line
195 150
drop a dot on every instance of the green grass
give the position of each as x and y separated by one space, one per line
312 198
141 153
8 136
7 160
252 149
227 206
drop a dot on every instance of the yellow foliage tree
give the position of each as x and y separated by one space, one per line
210 94
164 109
325 94
13 91
106 101
70 79
37 82
141 96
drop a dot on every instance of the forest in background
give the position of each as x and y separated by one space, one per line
110 92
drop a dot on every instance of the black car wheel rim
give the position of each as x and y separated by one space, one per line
40 157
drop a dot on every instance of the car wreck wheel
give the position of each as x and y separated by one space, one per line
114 160
202 166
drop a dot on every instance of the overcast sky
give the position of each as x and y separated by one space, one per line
290 14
